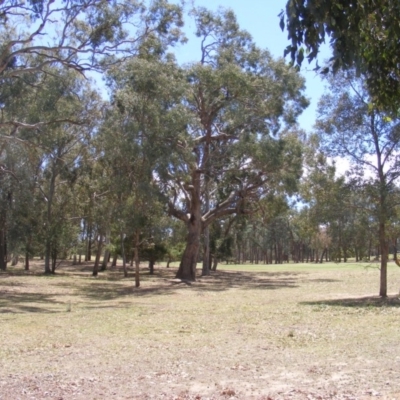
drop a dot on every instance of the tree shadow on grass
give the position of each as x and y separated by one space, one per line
16 303
106 291
358 302
224 280
111 286
163 283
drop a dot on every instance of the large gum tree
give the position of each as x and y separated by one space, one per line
240 101
219 126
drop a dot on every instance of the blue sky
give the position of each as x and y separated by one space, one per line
260 19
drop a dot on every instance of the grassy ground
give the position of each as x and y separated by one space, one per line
301 331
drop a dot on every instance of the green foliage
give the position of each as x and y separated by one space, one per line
363 35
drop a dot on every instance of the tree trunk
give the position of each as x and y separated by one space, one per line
114 260
3 252
47 255
151 267
206 254
98 254
54 261
136 257
187 267
88 255
123 256
384 258
322 255
105 260
215 263
27 261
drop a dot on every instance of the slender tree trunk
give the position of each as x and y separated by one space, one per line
322 255
27 261
47 256
206 253
98 255
136 257
3 252
53 263
123 256
384 259
106 257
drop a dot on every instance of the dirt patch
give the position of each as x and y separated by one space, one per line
268 334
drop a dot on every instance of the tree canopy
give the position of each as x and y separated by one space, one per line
363 34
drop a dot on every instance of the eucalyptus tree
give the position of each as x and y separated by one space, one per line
209 127
79 35
238 98
38 35
135 139
59 149
363 35
350 126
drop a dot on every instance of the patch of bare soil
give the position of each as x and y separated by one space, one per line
288 333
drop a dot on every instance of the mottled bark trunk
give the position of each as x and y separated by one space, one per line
187 267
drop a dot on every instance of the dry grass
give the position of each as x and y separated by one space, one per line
259 332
